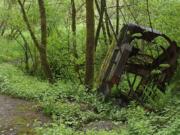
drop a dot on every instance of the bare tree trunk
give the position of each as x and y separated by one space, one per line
25 18
107 24
90 44
36 60
101 11
45 65
117 17
26 57
73 27
43 45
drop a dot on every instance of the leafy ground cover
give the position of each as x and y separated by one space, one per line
76 112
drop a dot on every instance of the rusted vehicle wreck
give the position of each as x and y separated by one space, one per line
139 60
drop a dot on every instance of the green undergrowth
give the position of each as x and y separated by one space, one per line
72 109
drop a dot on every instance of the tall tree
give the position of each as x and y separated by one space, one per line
101 10
90 43
42 45
74 43
117 17
73 26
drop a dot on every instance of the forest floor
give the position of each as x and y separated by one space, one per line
74 111
18 116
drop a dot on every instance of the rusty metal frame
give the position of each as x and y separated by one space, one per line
125 50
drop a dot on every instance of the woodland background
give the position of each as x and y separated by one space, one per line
52 51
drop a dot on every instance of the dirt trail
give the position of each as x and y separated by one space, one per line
17 116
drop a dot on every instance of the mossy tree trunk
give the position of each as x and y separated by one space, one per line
90 44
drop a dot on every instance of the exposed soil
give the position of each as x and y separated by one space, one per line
17 116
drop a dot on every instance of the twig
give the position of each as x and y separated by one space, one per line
149 16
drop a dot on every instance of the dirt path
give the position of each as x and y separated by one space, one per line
17 116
